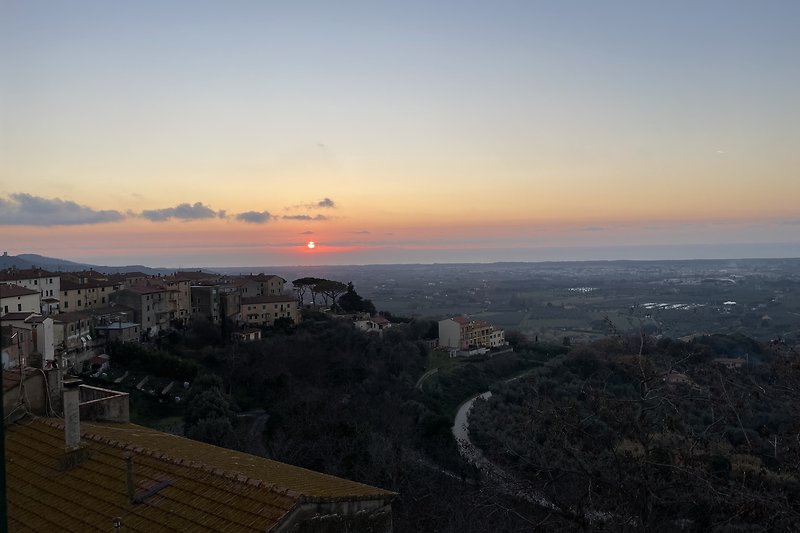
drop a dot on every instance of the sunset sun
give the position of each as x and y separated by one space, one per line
311 245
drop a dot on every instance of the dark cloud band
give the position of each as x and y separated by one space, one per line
22 209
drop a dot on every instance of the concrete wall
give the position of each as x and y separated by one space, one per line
45 339
104 404
449 333
15 304
16 402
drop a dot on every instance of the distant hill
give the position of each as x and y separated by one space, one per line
51 263
23 261
12 261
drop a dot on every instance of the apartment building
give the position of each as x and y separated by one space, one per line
462 333
47 284
18 299
265 310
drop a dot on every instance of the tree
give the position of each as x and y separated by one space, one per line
209 415
306 284
352 302
329 289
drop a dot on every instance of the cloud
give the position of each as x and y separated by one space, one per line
22 209
593 228
304 217
255 217
309 232
197 211
325 203
362 232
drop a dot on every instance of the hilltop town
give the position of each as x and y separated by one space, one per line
653 375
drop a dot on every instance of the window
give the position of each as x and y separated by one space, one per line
19 307
36 282
79 303
103 300
50 280
66 304
5 309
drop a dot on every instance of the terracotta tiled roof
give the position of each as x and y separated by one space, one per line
8 290
183 274
262 277
26 273
9 317
43 496
68 285
73 316
206 488
146 289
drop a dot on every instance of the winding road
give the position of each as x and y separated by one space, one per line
506 481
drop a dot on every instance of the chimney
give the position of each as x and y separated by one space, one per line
72 421
128 456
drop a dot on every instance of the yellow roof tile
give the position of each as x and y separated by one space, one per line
207 488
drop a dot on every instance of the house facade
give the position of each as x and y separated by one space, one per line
150 305
47 284
18 299
79 296
73 333
372 324
214 301
260 285
462 333
265 310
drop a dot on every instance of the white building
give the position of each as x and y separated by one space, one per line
47 284
462 333
18 299
375 324
36 335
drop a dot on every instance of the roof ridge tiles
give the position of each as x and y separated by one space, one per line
155 454
234 474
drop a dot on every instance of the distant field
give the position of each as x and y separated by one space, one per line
537 299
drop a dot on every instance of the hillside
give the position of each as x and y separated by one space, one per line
23 261
667 436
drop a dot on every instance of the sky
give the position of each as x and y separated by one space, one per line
207 133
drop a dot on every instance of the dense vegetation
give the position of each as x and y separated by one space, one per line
624 433
630 433
344 402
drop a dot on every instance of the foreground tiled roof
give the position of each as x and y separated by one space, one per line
207 488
